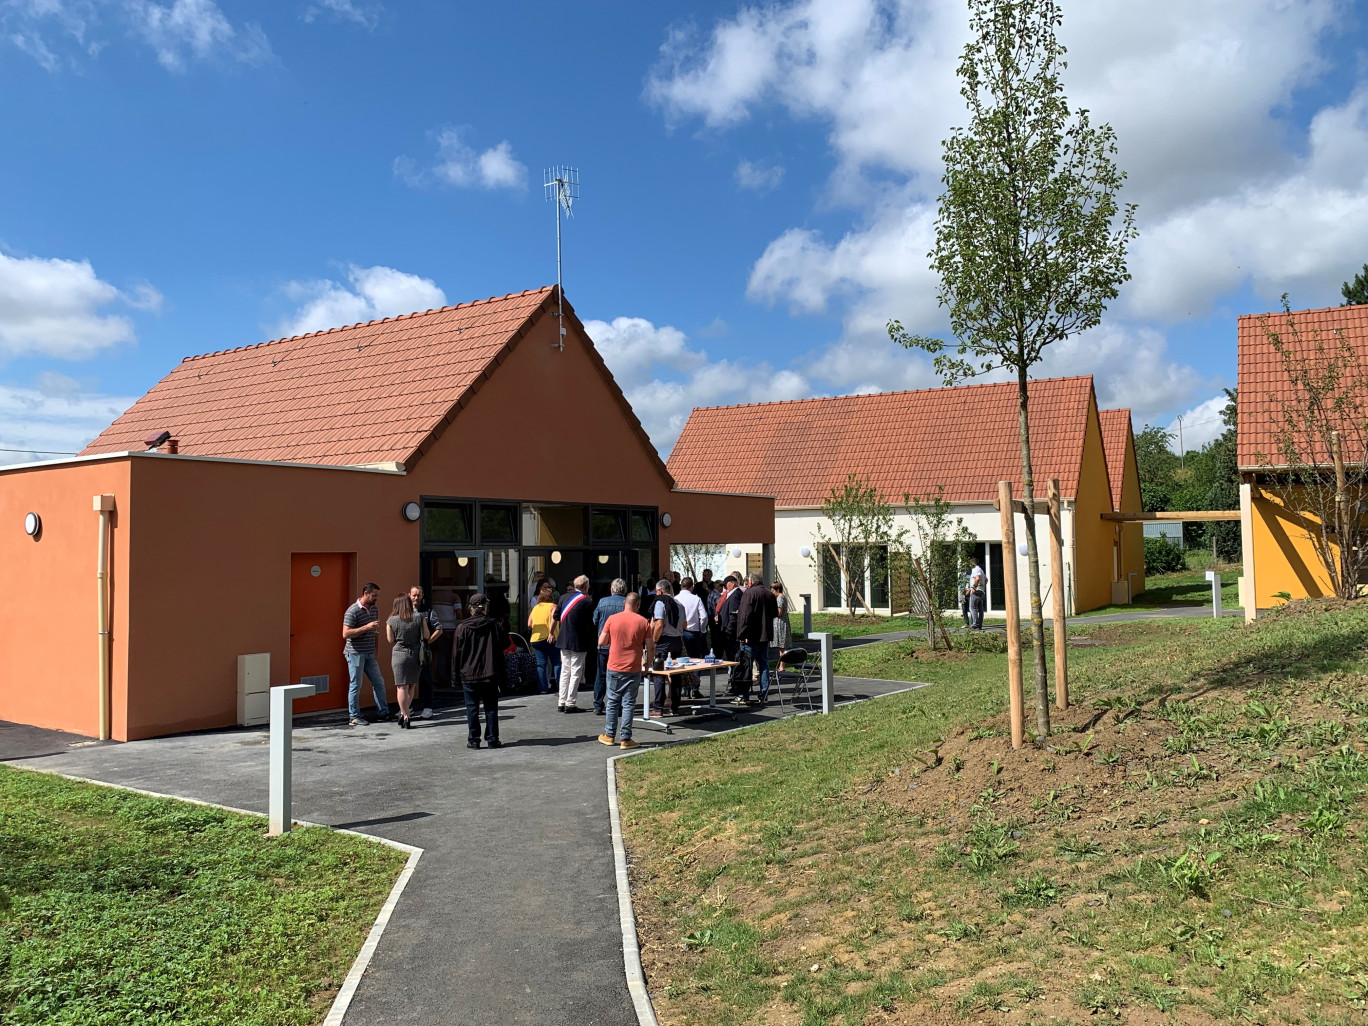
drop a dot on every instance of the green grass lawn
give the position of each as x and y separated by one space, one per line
1184 588
1187 846
116 908
842 625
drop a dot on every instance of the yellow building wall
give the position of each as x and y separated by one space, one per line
1093 536
1132 535
1284 557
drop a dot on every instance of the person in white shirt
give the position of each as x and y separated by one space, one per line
977 597
695 620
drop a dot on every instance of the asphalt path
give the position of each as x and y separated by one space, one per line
511 916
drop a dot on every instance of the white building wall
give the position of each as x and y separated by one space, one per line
796 529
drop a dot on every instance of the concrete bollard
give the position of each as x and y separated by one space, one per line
828 675
807 615
282 728
1215 579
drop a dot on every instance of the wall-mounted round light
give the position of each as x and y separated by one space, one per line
463 561
736 553
805 552
603 560
411 511
556 557
1023 549
33 525
666 520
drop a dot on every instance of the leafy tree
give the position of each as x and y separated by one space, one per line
861 524
1030 239
1156 464
1327 412
1355 292
695 558
940 547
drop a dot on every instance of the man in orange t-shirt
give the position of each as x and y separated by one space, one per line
631 649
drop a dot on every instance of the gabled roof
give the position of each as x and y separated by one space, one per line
373 393
1116 443
962 438
1263 382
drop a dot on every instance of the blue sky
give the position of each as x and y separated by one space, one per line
179 176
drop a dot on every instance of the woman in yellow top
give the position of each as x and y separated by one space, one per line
541 622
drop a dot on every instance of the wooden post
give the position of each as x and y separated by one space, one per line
1061 639
1009 587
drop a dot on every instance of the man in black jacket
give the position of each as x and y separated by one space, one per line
477 654
754 630
576 639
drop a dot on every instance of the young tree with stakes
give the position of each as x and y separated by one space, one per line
696 558
944 552
1030 239
861 522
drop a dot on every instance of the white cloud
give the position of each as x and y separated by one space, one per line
462 166
760 177
664 378
1201 424
367 15
1230 191
56 414
52 307
375 293
196 30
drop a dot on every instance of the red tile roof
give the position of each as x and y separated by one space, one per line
1116 441
367 393
962 438
1264 385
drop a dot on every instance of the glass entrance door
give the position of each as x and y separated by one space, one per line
452 577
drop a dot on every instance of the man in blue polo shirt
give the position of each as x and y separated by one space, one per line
359 627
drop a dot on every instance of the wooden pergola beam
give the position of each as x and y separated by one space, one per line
1187 514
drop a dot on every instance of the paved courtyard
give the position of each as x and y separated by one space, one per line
511 916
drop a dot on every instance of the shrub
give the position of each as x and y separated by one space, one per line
1163 558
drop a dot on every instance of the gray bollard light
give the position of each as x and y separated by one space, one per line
282 728
828 676
807 615
1215 579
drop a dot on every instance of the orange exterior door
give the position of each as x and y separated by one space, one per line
320 591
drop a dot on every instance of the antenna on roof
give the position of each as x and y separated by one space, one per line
562 185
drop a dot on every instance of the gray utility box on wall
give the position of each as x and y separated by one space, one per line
254 689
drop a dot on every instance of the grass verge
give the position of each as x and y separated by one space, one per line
1187 846
119 908
1184 588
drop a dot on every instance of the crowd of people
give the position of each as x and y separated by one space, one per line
616 643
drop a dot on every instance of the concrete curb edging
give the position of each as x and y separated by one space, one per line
338 1010
631 947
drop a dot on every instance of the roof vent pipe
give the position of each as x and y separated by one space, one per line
170 446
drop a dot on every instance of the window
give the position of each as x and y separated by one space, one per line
447 522
831 579
496 523
643 525
878 577
873 583
997 594
559 526
609 525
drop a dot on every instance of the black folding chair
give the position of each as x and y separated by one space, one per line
802 669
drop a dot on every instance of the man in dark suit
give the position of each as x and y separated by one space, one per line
754 630
576 639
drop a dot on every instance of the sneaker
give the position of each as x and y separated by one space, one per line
604 739
600 711
496 743
573 709
355 722
560 708
427 714
628 743
741 701
472 744
386 717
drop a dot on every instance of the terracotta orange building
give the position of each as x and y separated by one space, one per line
459 448
1280 557
957 442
